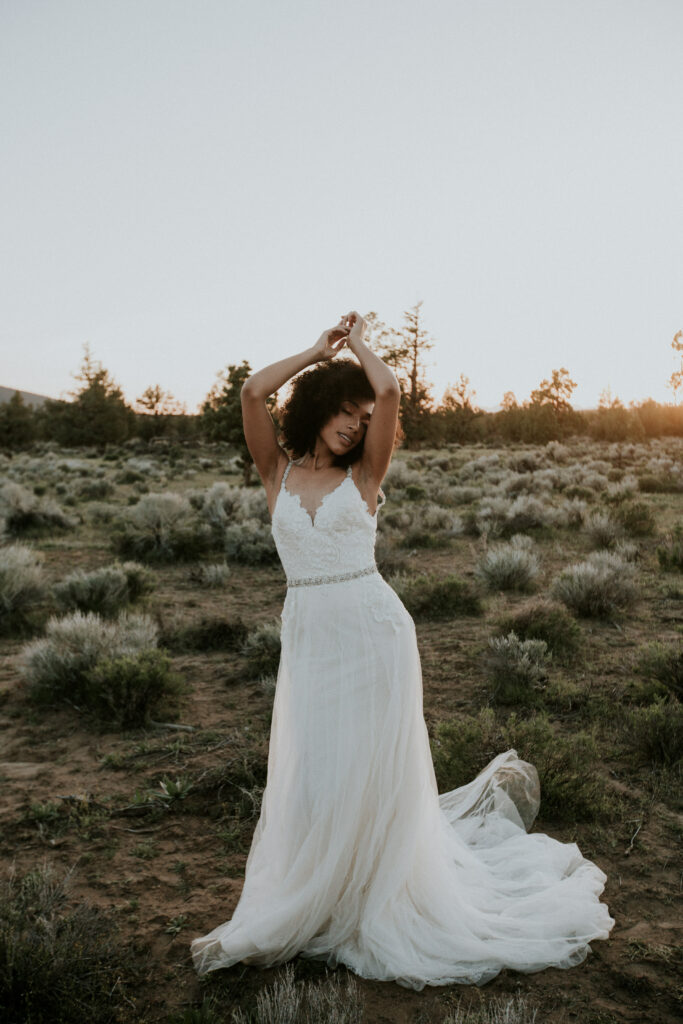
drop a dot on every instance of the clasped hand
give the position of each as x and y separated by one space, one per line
351 328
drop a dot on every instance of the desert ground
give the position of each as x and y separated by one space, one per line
126 820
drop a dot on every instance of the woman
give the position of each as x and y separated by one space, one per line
356 859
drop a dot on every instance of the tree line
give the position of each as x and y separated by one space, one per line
98 413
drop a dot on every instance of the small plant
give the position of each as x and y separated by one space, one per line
57 963
261 649
665 664
540 619
23 512
323 1002
429 596
128 690
249 543
602 530
21 583
656 731
217 575
512 566
670 553
161 528
571 787
517 668
209 634
106 590
59 666
636 518
601 586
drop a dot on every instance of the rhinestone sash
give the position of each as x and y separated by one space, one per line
314 581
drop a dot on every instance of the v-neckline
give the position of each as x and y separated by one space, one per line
312 518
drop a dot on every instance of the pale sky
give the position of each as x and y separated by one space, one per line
185 185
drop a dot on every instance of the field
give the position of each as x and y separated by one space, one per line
149 801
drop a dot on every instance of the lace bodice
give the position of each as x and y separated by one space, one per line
340 538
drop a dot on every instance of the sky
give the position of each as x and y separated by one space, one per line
185 185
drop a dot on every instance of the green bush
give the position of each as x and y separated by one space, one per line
601 586
61 965
249 544
636 518
430 596
512 566
540 619
517 669
59 665
261 649
161 528
21 584
105 590
571 787
209 634
665 664
656 731
670 554
128 690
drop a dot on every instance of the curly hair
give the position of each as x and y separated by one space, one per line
316 396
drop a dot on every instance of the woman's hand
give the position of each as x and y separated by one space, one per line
358 327
331 341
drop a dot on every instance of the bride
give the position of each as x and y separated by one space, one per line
356 858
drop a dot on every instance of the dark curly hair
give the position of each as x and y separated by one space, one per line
316 396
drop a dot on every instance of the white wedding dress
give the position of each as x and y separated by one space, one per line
356 858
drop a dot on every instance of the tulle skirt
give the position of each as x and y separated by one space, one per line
356 858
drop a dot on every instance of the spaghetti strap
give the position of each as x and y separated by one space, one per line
284 475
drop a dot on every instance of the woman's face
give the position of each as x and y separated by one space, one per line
344 431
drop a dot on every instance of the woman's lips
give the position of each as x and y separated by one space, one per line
347 441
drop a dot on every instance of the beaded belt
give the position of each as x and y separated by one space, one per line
310 581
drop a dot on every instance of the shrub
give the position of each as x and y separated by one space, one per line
209 634
21 583
540 619
429 596
512 566
94 490
59 964
249 544
129 689
650 483
333 1000
161 528
636 518
600 586
462 747
665 664
517 668
106 590
602 530
261 648
571 787
215 576
58 665
22 511
670 554
656 731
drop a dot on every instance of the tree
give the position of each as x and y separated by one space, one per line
162 410
17 422
98 413
457 410
404 350
555 392
676 378
222 413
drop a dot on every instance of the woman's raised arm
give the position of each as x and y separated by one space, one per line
381 433
259 429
